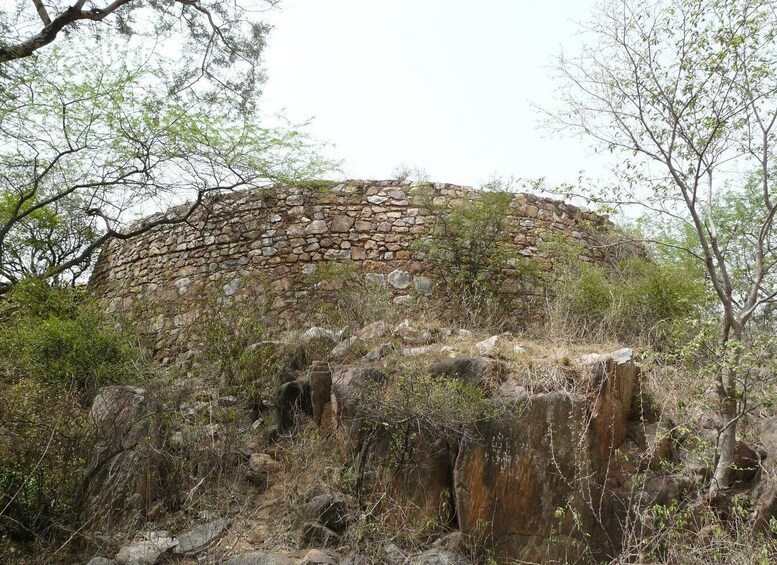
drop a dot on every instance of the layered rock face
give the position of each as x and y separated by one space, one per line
531 482
278 239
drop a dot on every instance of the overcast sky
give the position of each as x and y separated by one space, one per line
444 85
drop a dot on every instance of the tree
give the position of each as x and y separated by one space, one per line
87 143
686 90
222 40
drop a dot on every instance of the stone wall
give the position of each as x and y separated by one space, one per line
283 236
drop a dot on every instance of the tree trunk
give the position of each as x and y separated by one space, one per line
727 390
726 444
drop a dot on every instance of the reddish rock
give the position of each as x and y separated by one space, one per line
526 465
614 382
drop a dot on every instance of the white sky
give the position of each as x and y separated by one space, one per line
443 85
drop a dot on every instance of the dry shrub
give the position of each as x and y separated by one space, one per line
316 461
44 438
692 534
340 296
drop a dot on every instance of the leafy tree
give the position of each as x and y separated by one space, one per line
212 41
687 92
87 143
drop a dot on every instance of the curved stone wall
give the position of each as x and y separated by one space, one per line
282 236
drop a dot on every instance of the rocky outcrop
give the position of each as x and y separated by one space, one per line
533 484
122 473
530 482
528 476
613 383
348 384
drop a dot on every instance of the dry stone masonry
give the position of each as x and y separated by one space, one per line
283 236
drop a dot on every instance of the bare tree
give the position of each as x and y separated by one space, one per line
686 91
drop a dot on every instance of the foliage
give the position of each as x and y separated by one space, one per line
55 336
87 144
56 349
738 214
339 296
214 46
682 533
467 249
45 436
443 406
238 344
638 300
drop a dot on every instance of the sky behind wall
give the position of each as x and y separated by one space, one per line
443 85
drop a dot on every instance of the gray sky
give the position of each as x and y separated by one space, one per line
444 85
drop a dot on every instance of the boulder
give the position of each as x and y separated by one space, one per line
292 397
374 330
747 462
261 558
318 342
321 557
393 555
101 561
498 345
488 346
422 478
328 511
200 537
313 533
476 371
412 335
416 351
375 280
348 384
355 560
422 285
288 356
317 332
352 347
145 552
122 480
662 490
399 279
383 350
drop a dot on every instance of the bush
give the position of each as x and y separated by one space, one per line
442 406
470 256
339 296
637 300
44 437
56 336
56 349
